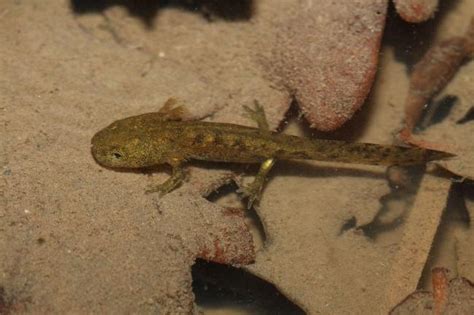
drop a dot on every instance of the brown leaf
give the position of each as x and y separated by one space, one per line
460 300
454 133
416 11
327 55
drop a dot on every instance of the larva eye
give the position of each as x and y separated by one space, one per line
117 155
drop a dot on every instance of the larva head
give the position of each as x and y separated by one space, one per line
127 144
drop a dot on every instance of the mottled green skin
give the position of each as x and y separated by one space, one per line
151 139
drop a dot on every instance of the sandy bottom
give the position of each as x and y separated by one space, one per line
327 238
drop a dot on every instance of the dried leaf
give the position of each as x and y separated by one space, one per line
453 133
416 11
460 301
327 54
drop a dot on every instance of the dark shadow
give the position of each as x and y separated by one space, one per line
348 225
468 193
292 112
147 10
304 169
403 193
222 192
468 117
219 286
455 211
250 214
231 10
10 304
5 304
435 112
412 40
143 170
223 166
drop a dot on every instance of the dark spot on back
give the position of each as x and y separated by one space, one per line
238 143
198 139
218 139
301 155
386 153
279 153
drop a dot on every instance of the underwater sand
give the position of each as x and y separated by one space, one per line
331 238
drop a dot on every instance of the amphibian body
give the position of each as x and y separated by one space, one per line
163 138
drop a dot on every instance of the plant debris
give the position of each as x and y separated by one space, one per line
416 11
327 55
448 297
431 74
